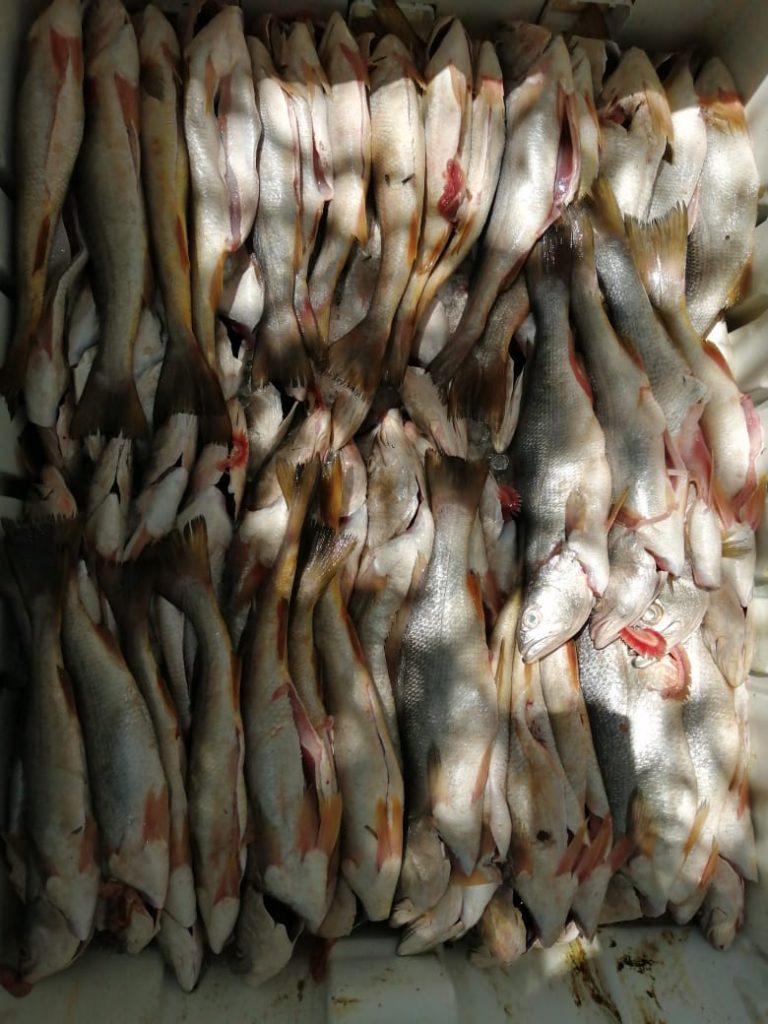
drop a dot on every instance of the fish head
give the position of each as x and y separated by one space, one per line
48 944
557 604
675 613
632 586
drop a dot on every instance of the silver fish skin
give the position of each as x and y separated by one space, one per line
677 180
532 190
222 127
130 791
278 239
349 129
445 671
218 806
714 740
398 168
636 129
631 418
62 871
722 913
447 112
561 472
632 585
590 133
113 220
51 116
674 384
720 245
636 716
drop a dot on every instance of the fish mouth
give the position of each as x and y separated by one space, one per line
605 631
533 650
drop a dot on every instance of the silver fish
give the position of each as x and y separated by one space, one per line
632 585
675 613
722 914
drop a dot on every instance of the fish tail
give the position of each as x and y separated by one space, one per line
399 350
297 484
281 358
604 210
111 408
183 554
355 360
452 480
41 553
331 491
327 554
659 250
480 387
188 384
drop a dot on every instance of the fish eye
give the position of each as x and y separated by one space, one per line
653 614
531 618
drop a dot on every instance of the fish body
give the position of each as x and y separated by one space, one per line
50 116
108 504
444 682
721 241
111 209
188 382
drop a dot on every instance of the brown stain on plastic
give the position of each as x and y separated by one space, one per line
586 985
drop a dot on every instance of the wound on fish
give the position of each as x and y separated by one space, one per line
453 191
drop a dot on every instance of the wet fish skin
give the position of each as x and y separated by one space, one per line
51 119
222 139
111 210
721 240
349 127
632 586
529 197
398 168
217 801
445 671
130 792
630 156
59 820
188 382
678 177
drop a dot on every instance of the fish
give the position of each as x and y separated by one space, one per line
51 118
168 623
590 131
437 925
268 425
371 787
722 913
395 481
531 192
356 287
558 463
632 420
165 482
188 382
675 614
501 931
340 919
540 860
129 591
636 719
480 384
447 112
714 739
349 130
308 87
216 795
445 666
108 502
622 902
222 128
47 377
720 246
632 585
62 874
51 498
486 148
278 241
729 633
425 874
130 792
637 127
265 938
730 427
383 583
398 169
735 831
431 415
241 303
705 546
297 821
677 180
183 951
675 387
111 211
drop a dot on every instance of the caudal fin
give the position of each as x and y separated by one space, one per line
327 554
659 250
189 385
604 210
182 557
110 408
281 357
454 481
354 361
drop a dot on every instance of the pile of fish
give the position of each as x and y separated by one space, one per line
391 525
